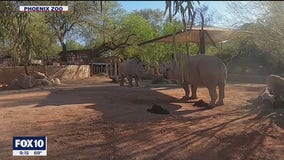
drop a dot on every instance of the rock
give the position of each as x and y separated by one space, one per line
14 84
115 79
201 103
37 82
46 82
56 81
158 109
26 81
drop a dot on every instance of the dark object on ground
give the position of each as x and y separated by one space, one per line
158 109
201 103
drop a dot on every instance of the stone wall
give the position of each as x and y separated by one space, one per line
64 73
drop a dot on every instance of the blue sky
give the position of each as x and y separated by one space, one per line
219 7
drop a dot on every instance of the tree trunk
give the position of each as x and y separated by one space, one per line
27 57
63 45
26 68
64 49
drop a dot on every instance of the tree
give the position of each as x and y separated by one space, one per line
154 16
15 32
25 34
104 32
102 25
267 25
140 28
210 17
187 12
44 42
71 45
63 22
245 12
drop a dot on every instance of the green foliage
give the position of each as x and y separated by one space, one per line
44 42
244 56
26 34
63 22
103 26
139 26
72 44
266 45
42 33
155 18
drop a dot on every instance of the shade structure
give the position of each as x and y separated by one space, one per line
212 35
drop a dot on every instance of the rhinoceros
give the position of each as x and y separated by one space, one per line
275 84
133 68
198 71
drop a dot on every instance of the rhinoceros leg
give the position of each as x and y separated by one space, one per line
221 95
121 81
213 95
193 92
186 91
136 81
129 81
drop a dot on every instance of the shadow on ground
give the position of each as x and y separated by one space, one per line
117 126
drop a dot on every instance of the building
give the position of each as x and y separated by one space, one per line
98 64
79 56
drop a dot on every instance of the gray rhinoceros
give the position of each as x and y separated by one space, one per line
198 71
275 83
133 68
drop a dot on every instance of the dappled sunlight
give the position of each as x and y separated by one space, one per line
104 121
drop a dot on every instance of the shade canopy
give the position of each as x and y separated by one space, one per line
212 35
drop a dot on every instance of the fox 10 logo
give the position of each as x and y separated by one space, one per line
29 146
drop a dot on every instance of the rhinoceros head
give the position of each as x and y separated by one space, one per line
168 70
141 67
171 70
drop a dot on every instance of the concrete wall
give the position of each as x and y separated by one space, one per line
64 73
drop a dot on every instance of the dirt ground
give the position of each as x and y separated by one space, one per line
99 120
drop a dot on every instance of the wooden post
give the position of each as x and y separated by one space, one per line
107 73
111 69
115 69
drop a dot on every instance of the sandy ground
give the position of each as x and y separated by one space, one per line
96 119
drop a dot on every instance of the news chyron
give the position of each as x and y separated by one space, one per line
30 146
43 8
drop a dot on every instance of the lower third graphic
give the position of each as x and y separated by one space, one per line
29 146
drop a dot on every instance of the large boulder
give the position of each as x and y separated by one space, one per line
25 81
46 82
56 81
